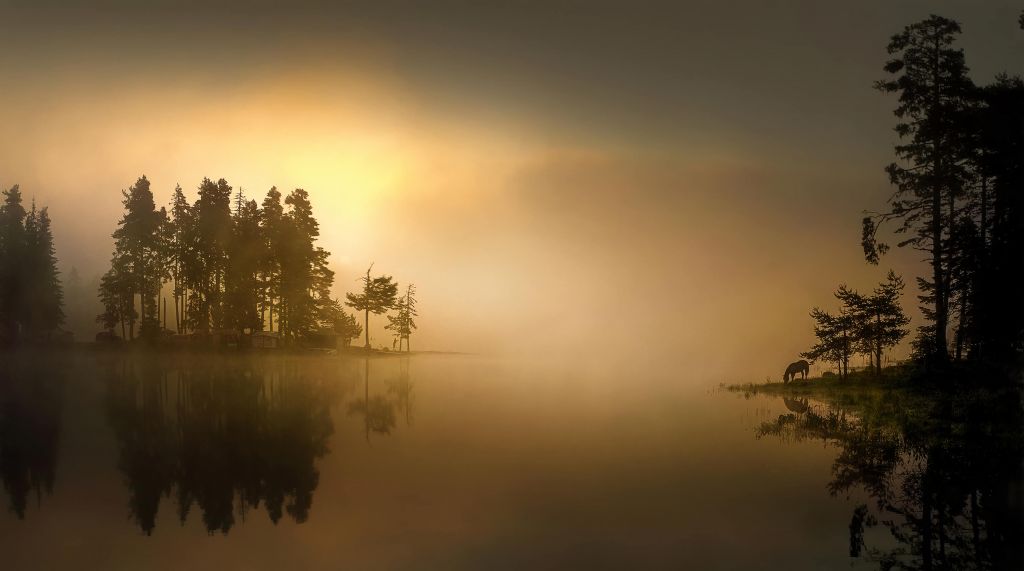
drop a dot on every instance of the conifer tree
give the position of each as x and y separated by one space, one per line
930 77
884 322
12 257
403 323
137 250
377 297
213 228
42 287
182 258
272 229
242 296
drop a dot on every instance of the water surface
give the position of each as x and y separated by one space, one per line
431 462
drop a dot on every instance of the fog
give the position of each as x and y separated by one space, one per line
625 188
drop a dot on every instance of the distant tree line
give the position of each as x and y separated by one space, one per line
30 289
230 264
959 196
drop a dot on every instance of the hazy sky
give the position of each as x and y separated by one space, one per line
675 182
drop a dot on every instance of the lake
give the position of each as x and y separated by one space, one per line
113 461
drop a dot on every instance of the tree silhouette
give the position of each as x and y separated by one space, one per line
43 290
230 269
213 220
272 226
930 77
341 323
13 242
136 253
836 341
305 278
31 296
243 292
182 256
404 323
996 311
378 296
883 321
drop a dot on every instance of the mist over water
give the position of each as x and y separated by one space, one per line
593 285
455 462
676 215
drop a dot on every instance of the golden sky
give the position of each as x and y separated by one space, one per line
673 183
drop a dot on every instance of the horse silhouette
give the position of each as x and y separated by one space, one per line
800 366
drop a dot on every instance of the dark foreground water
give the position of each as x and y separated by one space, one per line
455 462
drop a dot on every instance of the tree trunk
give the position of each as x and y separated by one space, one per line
938 276
961 332
366 321
878 358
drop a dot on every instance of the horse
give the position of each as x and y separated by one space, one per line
800 366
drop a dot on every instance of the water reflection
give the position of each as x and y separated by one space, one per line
379 411
943 476
31 398
224 438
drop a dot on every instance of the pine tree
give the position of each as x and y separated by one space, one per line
213 234
377 297
271 228
305 278
996 312
838 335
343 324
403 324
137 250
242 295
884 321
935 96
12 255
44 293
182 256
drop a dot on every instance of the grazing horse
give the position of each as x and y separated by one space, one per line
800 366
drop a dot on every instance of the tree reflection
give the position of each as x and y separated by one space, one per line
400 389
31 397
944 475
378 411
224 438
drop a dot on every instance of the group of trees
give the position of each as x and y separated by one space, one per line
959 195
230 264
30 288
865 325
379 295
242 268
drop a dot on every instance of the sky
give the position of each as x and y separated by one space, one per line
632 183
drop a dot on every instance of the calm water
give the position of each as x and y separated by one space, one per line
433 462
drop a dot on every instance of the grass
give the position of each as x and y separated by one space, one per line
897 378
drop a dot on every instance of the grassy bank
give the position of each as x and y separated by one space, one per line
892 379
